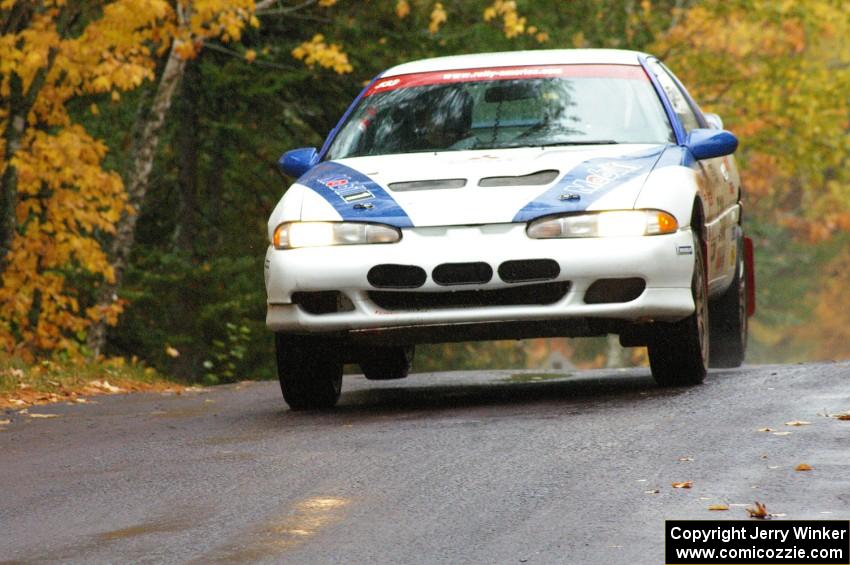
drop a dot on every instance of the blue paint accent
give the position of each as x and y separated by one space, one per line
710 143
332 134
298 161
355 196
678 128
590 180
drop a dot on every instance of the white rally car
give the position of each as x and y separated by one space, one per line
505 196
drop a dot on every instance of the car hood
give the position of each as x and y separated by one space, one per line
477 187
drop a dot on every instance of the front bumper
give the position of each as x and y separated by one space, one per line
663 262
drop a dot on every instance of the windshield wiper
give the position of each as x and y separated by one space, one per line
582 142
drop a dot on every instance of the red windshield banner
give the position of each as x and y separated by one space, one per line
507 73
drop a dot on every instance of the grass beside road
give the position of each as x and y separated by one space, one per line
43 382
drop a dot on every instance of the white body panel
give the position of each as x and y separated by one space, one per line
582 261
516 58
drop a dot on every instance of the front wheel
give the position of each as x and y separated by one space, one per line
678 352
310 371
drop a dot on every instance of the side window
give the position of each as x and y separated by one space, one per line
677 99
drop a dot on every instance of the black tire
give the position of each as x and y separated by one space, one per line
387 363
729 321
678 352
310 371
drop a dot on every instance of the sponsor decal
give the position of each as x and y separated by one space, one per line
633 72
587 182
600 176
355 196
345 188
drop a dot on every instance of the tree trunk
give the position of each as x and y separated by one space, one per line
19 106
145 140
13 135
186 149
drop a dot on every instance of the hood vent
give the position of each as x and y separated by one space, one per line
427 184
534 179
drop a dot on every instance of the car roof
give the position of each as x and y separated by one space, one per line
519 58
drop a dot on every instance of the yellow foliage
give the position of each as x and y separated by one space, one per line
513 25
438 18
56 235
66 203
318 52
402 9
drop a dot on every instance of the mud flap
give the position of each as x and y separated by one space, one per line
750 263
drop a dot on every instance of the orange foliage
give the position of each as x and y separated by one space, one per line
778 73
830 332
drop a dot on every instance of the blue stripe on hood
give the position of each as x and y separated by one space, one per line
355 196
587 182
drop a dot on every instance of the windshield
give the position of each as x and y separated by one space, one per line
505 107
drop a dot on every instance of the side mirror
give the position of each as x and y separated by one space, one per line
714 121
298 161
710 143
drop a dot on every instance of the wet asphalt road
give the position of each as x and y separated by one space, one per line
478 467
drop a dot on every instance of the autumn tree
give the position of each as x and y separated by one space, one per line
57 201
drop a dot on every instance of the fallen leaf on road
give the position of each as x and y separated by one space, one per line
105 385
4 422
81 401
797 423
804 467
764 430
686 458
43 415
683 484
653 491
718 507
845 417
759 511
782 433
18 402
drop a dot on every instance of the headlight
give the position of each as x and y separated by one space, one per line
317 234
619 223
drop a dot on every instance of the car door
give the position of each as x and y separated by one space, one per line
718 183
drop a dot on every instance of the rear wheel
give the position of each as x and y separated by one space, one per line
678 352
387 363
310 371
729 319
